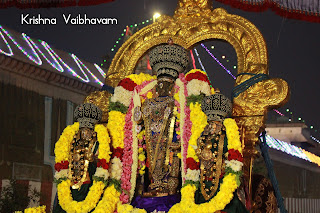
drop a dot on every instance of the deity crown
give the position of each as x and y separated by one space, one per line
169 60
217 107
87 115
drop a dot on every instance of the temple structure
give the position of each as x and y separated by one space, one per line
40 87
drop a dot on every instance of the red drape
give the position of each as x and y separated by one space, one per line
278 8
25 4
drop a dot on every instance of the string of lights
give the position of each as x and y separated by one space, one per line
100 70
228 71
299 120
79 62
43 49
292 150
208 51
200 62
125 30
7 44
311 127
56 65
37 60
315 139
117 42
49 49
277 111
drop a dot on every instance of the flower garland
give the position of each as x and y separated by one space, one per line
122 130
127 208
185 123
124 91
115 127
38 209
130 158
100 177
198 83
192 116
62 151
199 122
69 205
62 146
229 184
109 200
176 97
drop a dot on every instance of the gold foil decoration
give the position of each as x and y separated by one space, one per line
101 100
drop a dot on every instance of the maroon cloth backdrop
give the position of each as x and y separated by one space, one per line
24 4
263 5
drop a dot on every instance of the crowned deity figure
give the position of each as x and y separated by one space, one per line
77 159
213 152
154 123
157 118
84 145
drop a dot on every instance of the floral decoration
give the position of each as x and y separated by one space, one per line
230 181
38 209
115 127
122 130
198 83
189 116
61 150
69 205
100 177
109 200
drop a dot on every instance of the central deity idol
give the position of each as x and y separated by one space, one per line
158 118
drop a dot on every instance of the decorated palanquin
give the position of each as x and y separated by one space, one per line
170 142
167 156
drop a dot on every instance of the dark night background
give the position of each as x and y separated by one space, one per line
293 45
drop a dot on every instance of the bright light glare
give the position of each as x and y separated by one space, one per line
155 16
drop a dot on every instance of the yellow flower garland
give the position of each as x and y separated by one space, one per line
62 146
233 135
140 78
187 204
127 208
39 209
104 141
69 205
109 201
115 126
62 154
227 188
199 122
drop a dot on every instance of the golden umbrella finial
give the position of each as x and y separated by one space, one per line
193 8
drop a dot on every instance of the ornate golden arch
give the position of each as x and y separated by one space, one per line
195 21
